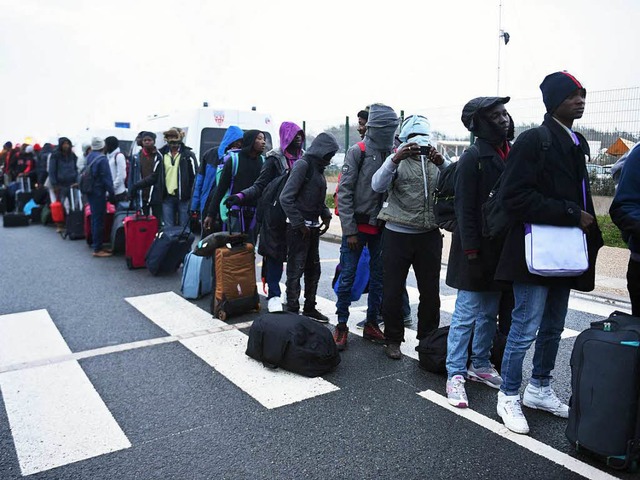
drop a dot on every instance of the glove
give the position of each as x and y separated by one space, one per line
232 200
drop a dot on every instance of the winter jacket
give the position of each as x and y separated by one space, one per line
550 193
41 164
118 166
625 209
186 176
102 181
303 196
478 169
63 170
136 175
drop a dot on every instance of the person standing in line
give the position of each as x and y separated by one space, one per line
550 188
118 166
411 236
142 166
102 186
63 172
303 201
473 258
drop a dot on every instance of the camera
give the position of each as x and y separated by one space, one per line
424 149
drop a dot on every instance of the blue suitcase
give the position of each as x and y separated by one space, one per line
197 280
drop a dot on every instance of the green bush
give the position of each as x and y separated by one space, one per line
610 233
329 201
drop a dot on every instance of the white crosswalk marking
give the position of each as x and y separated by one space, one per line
56 415
225 351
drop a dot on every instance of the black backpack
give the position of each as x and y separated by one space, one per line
444 197
293 342
88 177
495 221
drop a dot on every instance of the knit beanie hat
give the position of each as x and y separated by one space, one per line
97 143
556 87
148 134
112 143
37 147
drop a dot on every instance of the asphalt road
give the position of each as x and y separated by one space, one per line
172 407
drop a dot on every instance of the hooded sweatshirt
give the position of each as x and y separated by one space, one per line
63 169
303 196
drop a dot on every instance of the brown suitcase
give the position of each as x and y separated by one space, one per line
236 292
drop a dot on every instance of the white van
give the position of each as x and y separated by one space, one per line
126 137
205 126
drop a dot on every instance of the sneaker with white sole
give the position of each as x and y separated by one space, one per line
456 394
510 411
274 305
544 398
360 325
487 375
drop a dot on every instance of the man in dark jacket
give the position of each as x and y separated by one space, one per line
102 186
303 202
172 179
473 258
63 172
625 213
142 165
273 238
549 187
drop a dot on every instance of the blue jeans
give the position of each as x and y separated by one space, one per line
98 205
477 312
273 275
537 309
172 206
349 261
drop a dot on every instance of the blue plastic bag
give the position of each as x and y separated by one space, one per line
361 281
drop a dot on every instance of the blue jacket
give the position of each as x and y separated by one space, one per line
103 183
625 209
206 178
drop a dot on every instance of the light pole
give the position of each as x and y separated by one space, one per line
502 36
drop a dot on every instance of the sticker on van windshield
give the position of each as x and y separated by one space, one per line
218 117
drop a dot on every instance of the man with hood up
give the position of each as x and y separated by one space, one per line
63 172
411 235
142 165
273 240
473 258
211 159
359 208
303 201
249 164
172 179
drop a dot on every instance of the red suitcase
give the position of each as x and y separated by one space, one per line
139 233
108 222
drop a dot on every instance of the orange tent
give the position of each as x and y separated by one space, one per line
620 147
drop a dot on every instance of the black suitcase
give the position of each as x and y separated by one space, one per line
23 195
14 219
293 342
36 214
605 389
117 231
74 221
168 250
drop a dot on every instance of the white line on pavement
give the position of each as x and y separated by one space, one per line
225 352
56 415
524 441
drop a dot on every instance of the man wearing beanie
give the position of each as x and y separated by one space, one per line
473 258
142 164
359 206
411 235
102 185
550 187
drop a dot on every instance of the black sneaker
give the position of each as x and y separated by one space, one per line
316 315
393 351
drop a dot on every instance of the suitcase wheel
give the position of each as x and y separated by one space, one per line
222 315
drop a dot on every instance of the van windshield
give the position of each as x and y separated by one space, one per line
212 137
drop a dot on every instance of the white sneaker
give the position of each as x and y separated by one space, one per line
456 393
274 305
544 398
510 411
487 375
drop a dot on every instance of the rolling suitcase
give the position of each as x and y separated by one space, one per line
604 417
196 276
15 219
108 222
75 218
139 233
23 195
117 239
236 290
168 250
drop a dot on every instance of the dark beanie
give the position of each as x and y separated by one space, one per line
111 143
556 87
8 145
148 134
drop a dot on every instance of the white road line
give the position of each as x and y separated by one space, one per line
56 415
524 441
594 308
225 352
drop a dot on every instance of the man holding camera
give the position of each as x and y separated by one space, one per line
411 236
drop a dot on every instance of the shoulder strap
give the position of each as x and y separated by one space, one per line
545 142
363 153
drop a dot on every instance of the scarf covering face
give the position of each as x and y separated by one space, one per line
381 127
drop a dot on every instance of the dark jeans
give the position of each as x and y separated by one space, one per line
633 285
273 274
303 259
98 205
400 251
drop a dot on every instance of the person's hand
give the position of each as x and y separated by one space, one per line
305 231
406 151
434 156
586 221
352 242
325 225
232 200
208 222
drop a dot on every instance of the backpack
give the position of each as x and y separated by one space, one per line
495 221
88 178
335 194
235 160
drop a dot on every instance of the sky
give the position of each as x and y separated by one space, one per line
70 64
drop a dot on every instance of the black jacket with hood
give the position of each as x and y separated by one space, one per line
303 196
63 169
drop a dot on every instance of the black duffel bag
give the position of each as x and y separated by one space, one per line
293 342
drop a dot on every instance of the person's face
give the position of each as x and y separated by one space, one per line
259 143
174 145
326 160
573 106
65 147
235 145
362 126
148 143
296 143
499 117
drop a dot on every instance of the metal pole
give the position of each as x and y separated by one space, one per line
304 130
401 116
499 45
346 133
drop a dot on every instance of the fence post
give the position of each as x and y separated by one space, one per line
304 130
346 134
401 116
